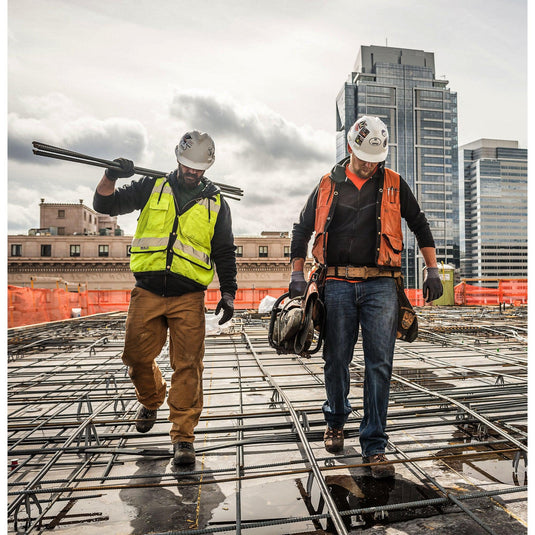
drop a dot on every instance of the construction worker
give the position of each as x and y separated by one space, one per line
355 212
184 229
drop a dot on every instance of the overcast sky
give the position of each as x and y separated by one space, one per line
128 78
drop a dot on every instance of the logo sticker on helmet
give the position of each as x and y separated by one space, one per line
186 142
375 141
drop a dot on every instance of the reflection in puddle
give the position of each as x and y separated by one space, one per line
265 502
359 492
289 498
171 507
507 468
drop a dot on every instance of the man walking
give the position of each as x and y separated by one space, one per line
355 212
184 228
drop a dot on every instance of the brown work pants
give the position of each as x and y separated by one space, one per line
149 317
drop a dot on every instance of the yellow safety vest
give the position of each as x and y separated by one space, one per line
180 244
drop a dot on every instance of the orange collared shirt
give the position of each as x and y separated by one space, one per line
357 181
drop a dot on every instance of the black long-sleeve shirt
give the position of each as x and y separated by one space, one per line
135 195
353 230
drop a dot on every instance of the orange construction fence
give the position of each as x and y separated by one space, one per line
28 306
509 291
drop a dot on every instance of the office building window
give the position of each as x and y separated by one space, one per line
61 231
239 251
286 251
75 250
61 214
46 249
16 249
262 251
103 250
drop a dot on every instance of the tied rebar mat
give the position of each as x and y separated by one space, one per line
457 427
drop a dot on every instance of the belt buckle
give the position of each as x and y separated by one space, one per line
347 271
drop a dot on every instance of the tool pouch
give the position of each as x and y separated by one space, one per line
407 319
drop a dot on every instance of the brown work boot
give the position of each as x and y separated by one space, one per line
333 439
145 419
183 453
380 471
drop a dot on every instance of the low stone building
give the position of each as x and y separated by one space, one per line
77 246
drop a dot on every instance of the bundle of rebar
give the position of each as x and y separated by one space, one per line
43 149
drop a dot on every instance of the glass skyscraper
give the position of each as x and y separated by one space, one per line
496 209
399 86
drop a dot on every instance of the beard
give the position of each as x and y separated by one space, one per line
188 180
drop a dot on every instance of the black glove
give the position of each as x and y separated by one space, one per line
298 284
227 304
127 169
432 288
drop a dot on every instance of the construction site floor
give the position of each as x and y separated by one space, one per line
457 427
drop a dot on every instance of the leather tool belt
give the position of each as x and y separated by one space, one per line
359 272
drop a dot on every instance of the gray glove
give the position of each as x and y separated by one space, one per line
227 304
297 284
432 288
127 169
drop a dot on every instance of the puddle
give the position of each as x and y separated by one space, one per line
160 509
362 491
264 502
500 469
425 378
289 498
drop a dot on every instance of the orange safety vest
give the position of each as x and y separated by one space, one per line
389 224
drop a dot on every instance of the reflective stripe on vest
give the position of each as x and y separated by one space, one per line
389 226
187 251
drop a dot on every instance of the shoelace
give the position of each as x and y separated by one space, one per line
378 458
334 433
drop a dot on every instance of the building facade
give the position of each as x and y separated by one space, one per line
100 257
399 85
495 209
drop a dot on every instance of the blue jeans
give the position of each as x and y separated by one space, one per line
373 305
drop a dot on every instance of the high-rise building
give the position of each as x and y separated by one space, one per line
496 209
399 86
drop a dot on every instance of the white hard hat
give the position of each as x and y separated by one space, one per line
196 150
368 139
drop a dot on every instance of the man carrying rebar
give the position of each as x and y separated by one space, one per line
356 212
184 228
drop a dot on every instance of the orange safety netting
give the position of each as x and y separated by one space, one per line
509 291
246 298
28 306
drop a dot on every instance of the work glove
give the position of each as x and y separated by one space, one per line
432 288
127 169
297 284
227 304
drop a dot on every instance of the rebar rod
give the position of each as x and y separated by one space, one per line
333 510
42 149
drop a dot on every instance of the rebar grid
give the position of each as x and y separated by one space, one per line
71 407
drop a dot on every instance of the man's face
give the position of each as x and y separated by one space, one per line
188 176
361 168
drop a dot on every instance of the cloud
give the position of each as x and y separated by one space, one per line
55 120
276 162
259 136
